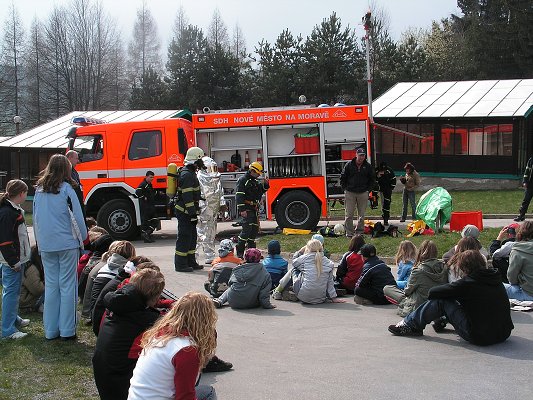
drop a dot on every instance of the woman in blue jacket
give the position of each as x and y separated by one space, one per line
59 230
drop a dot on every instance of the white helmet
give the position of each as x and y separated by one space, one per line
193 154
339 230
211 167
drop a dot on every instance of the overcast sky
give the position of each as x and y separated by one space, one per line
258 19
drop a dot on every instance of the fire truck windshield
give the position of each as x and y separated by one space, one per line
89 148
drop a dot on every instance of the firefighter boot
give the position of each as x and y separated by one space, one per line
191 258
240 248
181 264
147 237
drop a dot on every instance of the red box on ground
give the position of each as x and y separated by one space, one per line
306 145
460 219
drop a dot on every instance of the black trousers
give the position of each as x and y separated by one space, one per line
147 213
528 195
250 227
186 241
386 198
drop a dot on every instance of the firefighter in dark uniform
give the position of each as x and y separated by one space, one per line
187 211
387 181
248 195
146 195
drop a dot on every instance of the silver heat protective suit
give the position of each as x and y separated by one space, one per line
212 199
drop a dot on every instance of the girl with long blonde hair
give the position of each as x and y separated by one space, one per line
184 338
405 259
311 275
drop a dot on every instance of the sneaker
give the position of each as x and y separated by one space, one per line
197 266
402 329
289 295
385 223
217 303
217 365
17 335
520 218
277 295
361 301
68 338
183 269
439 325
402 220
340 291
22 323
209 262
147 238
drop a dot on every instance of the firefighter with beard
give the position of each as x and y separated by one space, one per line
248 195
211 203
187 211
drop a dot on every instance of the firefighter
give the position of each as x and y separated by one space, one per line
187 210
387 181
146 195
211 203
248 195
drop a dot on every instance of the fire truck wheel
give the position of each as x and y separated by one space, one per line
118 218
298 209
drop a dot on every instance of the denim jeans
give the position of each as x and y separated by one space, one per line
409 197
516 292
204 392
61 288
434 309
11 283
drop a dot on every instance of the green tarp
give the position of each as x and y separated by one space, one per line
435 203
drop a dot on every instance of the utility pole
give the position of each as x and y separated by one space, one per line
368 26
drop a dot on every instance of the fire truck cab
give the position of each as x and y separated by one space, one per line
114 159
303 150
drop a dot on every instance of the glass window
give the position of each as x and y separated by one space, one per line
505 139
475 140
89 148
490 140
145 144
447 133
427 143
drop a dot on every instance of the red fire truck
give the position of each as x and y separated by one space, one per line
303 150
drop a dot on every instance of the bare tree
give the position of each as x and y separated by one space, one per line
144 48
11 65
217 36
238 44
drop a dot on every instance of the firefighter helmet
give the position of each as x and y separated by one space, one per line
193 154
339 229
256 167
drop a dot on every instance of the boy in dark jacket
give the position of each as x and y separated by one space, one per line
476 305
117 349
375 275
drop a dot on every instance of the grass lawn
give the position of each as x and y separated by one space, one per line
35 368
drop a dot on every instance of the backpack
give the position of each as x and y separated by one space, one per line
328 231
220 281
378 230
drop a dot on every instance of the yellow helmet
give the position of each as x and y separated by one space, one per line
193 154
256 167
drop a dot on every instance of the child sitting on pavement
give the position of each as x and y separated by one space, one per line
221 269
311 275
375 275
405 259
249 284
351 264
274 263
476 305
427 272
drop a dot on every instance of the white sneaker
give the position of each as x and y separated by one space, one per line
22 323
277 295
17 335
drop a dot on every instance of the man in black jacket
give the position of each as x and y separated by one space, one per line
187 211
528 194
387 182
146 195
357 179
476 305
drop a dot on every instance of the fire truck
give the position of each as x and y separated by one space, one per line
114 159
303 150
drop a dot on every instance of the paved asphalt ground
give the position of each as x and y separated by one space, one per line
344 351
